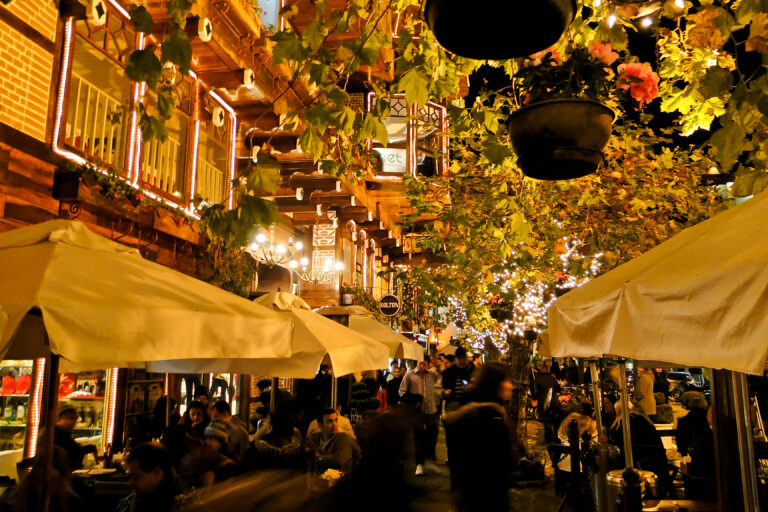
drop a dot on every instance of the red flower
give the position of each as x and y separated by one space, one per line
644 90
140 197
603 52
538 56
562 276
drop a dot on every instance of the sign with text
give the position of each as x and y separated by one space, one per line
389 305
393 160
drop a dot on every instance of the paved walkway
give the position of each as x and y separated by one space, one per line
438 496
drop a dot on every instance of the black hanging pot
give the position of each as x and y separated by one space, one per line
498 29
502 315
560 139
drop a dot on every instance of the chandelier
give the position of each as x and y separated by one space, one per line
270 253
320 275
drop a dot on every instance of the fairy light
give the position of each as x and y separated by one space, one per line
63 86
680 4
646 22
35 403
233 146
119 8
196 138
598 3
612 20
112 375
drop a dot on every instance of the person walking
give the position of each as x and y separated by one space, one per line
480 442
644 391
421 382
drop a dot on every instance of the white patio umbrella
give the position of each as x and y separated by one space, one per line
362 321
316 338
102 305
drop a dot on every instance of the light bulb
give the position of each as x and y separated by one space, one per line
299 246
254 246
280 249
598 3
293 264
261 238
304 262
680 4
646 22
611 20
339 266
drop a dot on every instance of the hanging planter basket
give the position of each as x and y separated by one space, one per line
502 315
498 29
560 139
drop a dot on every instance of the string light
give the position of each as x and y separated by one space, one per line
611 20
646 22
680 4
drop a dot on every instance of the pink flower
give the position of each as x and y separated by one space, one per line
646 89
603 52
140 197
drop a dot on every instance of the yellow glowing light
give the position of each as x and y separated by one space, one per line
646 22
112 374
611 20
35 403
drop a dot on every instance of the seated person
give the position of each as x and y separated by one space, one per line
647 447
344 425
332 449
695 438
238 432
63 438
154 482
278 443
584 424
210 463
188 434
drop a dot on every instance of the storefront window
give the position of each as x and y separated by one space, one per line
85 392
16 378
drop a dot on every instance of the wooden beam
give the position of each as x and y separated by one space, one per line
330 198
290 204
312 182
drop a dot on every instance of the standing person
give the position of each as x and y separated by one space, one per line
393 386
457 377
154 482
644 391
421 382
481 447
62 438
660 383
238 436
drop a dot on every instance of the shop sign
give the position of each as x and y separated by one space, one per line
389 305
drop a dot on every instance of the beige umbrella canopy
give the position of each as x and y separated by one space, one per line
698 299
362 321
99 304
316 338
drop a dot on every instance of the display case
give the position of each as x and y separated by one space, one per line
16 380
86 392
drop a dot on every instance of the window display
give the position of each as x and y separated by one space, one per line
85 392
14 403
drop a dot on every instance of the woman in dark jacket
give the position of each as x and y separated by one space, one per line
481 454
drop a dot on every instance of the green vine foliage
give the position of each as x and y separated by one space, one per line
160 73
229 268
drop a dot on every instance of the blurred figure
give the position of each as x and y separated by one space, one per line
62 438
421 382
332 449
480 444
154 482
644 391
209 463
238 435
457 377
162 417
660 383
393 385
278 446
584 424
26 497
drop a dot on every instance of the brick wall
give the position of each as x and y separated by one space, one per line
26 68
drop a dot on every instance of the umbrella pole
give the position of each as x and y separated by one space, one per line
596 397
334 392
601 484
630 462
50 431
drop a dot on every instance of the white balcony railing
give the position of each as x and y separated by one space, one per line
95 123
162 166
210 182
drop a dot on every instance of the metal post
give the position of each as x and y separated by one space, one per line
596 397
601 484
746 447
50 429
334 392
625 415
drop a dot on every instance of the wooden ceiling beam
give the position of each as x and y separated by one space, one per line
292 205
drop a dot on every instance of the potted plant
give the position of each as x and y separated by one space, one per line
498 29
569 107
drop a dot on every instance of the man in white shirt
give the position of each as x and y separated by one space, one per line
421 382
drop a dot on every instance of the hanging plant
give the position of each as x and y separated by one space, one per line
498 29
568 111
